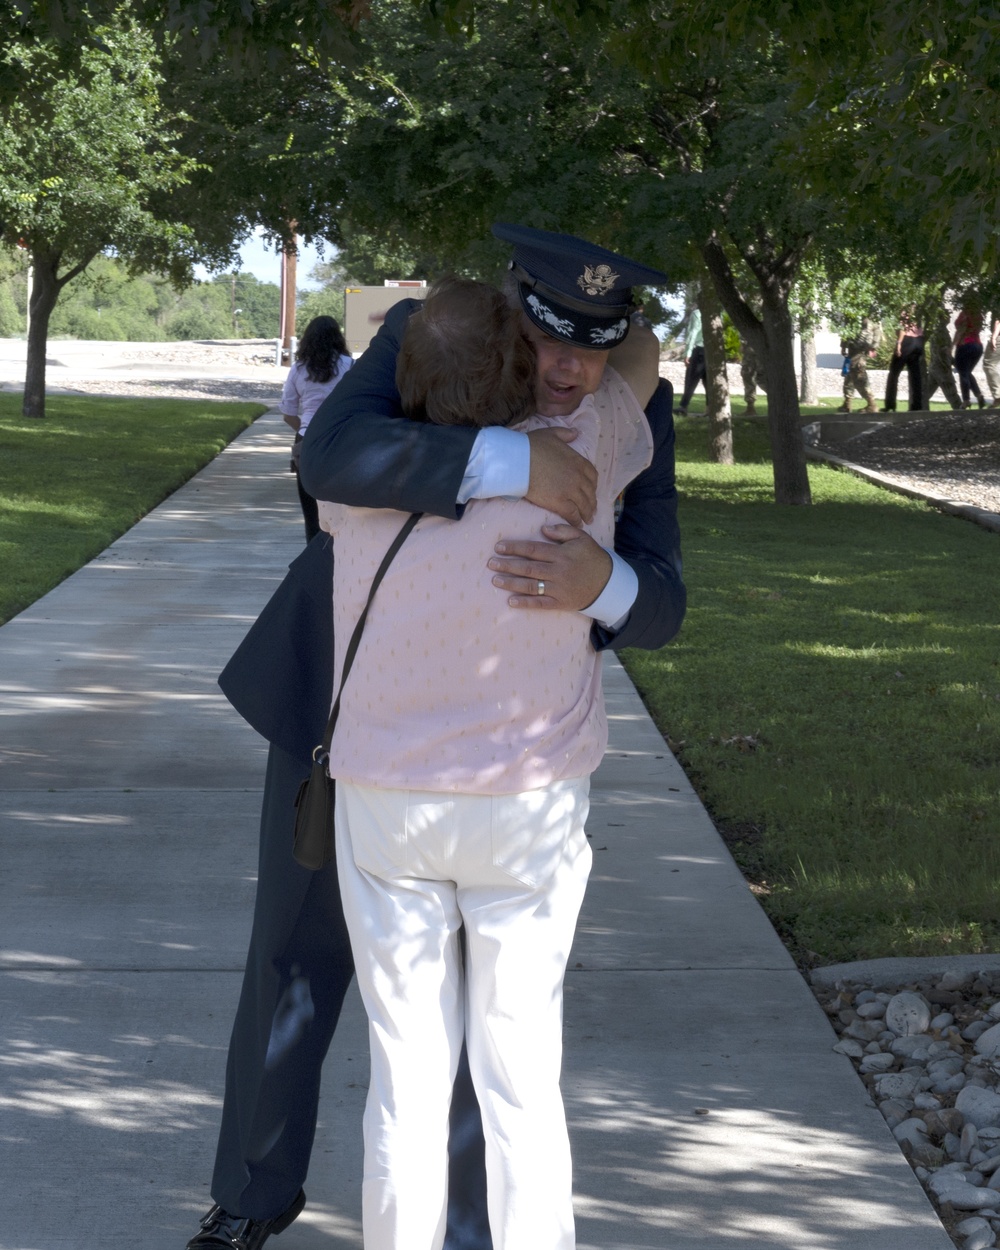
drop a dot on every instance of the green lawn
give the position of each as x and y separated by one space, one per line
835 697
74 481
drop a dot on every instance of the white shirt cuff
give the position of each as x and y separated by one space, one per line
614 603
498 467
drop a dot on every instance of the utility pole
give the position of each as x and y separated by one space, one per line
288 261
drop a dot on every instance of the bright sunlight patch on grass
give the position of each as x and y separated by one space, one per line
835 697
74 481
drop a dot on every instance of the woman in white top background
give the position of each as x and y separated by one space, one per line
321 360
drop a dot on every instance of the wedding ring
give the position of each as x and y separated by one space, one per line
541 588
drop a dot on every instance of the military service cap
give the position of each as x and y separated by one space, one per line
571 289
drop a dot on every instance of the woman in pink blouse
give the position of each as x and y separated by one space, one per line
466 739
968 348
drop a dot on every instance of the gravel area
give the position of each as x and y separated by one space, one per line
955 456
243 370
180 388
928 1051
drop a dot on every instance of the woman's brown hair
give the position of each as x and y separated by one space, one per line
463 359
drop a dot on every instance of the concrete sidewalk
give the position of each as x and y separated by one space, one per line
706 1105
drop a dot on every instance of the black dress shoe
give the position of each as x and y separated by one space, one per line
222 1231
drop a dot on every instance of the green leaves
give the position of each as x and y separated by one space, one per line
76 178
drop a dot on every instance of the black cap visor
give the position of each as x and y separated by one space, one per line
599 332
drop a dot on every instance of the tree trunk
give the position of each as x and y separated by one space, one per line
717 409
808 389
44 293
771 339
788 453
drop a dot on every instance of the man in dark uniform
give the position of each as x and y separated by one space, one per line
576 301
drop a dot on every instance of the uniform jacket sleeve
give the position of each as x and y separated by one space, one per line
648 538
280 678
356 450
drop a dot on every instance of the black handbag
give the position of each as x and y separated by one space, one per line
314 803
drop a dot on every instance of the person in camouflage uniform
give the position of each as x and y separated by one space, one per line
991 361
752 375
857 350
939 365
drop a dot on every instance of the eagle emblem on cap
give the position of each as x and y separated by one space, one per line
597 279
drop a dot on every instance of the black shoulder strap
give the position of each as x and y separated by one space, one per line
352 646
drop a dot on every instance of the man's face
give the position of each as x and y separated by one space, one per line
565 372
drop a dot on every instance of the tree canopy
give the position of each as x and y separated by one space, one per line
754 142
79 181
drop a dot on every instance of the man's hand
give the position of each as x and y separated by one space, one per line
559 479
573 568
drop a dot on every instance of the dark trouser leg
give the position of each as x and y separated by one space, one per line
966 358
891 382
693 374
298 969
310 510
912 357
468 1220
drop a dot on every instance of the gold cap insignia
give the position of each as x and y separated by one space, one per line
597 280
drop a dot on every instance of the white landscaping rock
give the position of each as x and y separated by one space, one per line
917 1046
893 1112
900 1085
974 1224
988 1043
968 1141
962 1196
980 1107
913 1130
848 1046
879 1062
908 1013
864 1030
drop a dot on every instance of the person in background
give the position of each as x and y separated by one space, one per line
909 355
462 782
857 350
968 347
694 359
991 361
752 375
321 360
940 374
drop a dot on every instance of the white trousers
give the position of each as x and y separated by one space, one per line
414 868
